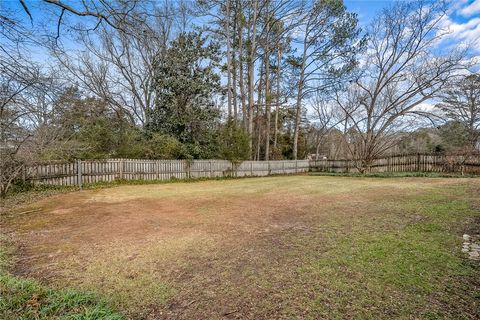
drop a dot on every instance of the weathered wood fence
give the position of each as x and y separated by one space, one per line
468 164
91 171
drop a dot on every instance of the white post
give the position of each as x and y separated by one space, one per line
120 167
79 174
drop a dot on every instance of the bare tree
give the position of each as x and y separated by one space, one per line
115 14
251 49
26 97
461 103
401 70
279 23
328 40
118 67
325 120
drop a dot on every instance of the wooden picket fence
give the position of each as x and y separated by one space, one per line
418 162
92 171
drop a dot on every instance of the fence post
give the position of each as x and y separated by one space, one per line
283 166
418 162
79 174
296 166
251 168
211 170
24 173
120 167
268 167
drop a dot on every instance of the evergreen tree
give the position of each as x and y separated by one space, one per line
186 83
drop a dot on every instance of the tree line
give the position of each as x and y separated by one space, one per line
231 79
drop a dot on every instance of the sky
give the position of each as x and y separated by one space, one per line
366 9
463 19
463 22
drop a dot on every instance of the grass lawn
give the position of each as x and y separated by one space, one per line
310 247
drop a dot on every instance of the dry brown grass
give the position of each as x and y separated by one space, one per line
253 248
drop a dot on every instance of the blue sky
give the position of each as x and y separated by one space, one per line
463 19
366 9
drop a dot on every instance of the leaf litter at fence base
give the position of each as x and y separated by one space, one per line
261 248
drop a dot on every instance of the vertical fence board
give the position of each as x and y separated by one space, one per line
91 171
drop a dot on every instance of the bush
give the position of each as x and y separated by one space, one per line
162 146
233 142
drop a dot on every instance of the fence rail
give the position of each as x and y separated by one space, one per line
469 164
91 171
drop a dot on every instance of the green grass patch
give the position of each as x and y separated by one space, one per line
27 299
416 269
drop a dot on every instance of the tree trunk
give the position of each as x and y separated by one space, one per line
277 107
234 65
234 86
229 61
267 93
240 80
258 113
251 75
298 112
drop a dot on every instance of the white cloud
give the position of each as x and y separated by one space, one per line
428 106
471 9
469 30
463 33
